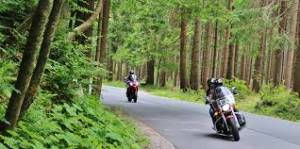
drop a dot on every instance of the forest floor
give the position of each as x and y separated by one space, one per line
246 101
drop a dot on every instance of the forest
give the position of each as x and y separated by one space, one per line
55 56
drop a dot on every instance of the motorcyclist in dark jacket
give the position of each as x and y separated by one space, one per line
130 78
212 84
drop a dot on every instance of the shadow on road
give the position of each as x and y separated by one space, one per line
217 136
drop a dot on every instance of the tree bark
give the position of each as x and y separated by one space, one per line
28 61
259 63
214 65
296 74
225 53
230 65
279 53
183 52
102 46
43 56
291 51
206 65
150 72
195 72
236 59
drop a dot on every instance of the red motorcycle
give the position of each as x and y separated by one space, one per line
132 91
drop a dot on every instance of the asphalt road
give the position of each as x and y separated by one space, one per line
188 125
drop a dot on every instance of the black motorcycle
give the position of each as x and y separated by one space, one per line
227 121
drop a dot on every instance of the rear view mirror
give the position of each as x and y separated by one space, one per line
234 90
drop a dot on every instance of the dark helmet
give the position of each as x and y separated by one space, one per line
131 72
211 81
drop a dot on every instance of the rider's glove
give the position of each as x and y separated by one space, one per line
207 100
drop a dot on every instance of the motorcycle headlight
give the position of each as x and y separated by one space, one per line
226 107
130 83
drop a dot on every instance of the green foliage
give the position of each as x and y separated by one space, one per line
85 123
69 71
279 102
7 71
243 90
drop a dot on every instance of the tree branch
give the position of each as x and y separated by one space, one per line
87 24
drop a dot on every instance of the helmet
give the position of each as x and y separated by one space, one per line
211 81
219 82
131 72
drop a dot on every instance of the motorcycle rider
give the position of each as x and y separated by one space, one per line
212 84
130 78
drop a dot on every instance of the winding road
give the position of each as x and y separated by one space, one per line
188 125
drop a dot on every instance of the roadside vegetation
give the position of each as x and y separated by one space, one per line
81 123
276 102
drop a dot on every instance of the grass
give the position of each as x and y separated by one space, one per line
275 102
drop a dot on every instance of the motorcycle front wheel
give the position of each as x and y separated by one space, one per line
234 129
135 96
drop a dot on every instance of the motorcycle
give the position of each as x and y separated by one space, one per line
132 91
227 121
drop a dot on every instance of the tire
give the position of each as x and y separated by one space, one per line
129 99
135 97
234 129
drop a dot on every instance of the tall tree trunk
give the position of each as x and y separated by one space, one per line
102 46
206 65
195 73
214 65
259 63
230 65
243 68
296 74
162 78
119 72
279 53
43 56
291 51
32 46
225 53
150 72
183 51
236 59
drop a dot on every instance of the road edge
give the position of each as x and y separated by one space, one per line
156 140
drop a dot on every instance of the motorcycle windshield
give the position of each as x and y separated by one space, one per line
223 93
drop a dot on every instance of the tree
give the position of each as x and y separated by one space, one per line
43 55
195 72
293 36
32 46
279 55
206 64
183 50
102 41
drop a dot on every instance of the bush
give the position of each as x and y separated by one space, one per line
243 90
85 123
279 102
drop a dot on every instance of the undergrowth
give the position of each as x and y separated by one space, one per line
84 123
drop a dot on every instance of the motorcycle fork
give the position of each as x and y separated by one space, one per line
225 121
235 118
